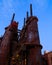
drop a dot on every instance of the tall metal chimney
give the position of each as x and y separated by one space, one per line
24 22
13 17
27 14
31 10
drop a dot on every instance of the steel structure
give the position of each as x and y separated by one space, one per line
22 47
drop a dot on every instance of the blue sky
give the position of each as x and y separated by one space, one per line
41 8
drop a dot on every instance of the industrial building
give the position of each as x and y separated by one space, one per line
23 47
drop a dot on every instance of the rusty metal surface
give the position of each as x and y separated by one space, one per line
30 47
30 44
48 58
23 51
5 44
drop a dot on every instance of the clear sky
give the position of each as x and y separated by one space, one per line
41 8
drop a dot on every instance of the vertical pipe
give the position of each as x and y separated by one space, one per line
31 10
24 22
27 14
13 17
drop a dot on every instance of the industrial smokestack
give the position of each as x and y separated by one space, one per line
24 22
31 10
13 17
27 14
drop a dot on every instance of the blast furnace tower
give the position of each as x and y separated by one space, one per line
22 47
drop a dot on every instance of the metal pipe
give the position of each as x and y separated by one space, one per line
13 17
27 14
31 10
24 22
